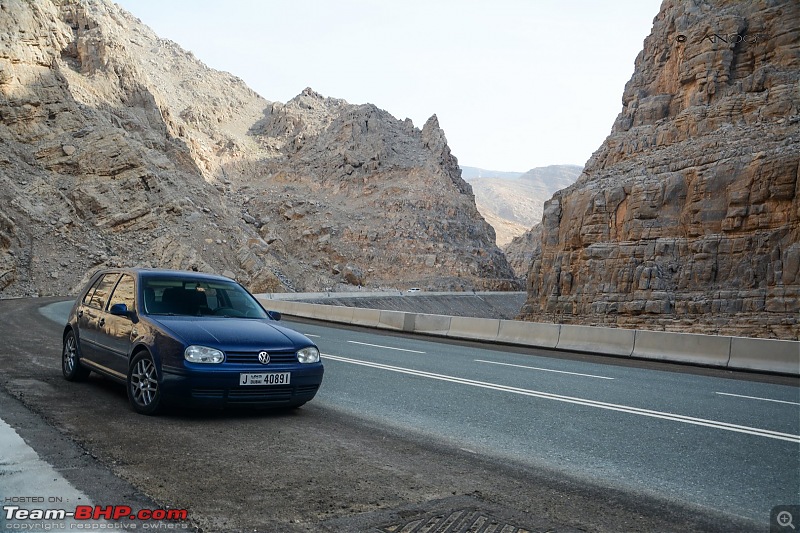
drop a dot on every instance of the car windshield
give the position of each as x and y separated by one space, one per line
198 297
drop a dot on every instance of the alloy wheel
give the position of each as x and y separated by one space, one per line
144 382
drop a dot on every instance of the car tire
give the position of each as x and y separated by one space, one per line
144 391
71 365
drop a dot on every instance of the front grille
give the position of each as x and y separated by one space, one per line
208 393
260 394
306 389
251 358
266 394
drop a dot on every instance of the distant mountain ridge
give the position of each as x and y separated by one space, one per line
513 202
470 173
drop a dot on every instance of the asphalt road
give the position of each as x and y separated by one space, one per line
407 427
724 444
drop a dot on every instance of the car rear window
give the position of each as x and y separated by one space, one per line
101 291
124 293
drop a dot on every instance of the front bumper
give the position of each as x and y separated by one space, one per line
219 387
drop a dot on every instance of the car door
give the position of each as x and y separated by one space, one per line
116 332
91 318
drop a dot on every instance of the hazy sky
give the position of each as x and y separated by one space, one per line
516 84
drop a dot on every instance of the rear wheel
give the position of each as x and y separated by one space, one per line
144 393
71 365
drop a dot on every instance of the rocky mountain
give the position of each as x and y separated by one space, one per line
120 148
512 205
687 218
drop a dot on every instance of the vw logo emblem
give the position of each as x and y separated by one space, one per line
263 358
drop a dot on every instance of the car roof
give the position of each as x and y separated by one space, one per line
162 272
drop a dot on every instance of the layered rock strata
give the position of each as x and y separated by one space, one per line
687 218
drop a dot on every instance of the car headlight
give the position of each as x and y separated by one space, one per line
203 354
308 355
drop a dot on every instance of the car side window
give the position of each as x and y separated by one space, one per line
103 291
88 297
124 293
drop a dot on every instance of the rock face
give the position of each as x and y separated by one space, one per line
120 148
370 199
512 205
524 249
687 218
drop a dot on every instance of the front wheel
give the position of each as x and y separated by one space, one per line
144 393
71 365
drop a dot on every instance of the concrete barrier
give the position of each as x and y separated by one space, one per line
683 347
528 333
278 305
462 327
335 313
396 320
366 317
605 341
765 354
432 324
731 352
302 309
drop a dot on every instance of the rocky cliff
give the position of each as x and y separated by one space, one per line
687 218
524 249
120 148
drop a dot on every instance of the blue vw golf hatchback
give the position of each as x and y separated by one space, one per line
186 338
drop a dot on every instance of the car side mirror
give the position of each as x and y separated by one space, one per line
274 315
122 310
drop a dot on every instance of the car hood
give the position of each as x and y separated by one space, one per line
232 333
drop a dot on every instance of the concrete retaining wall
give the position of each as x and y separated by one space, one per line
727 352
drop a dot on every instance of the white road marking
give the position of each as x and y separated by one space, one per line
386 347
578 401
757 398
543 369
310 335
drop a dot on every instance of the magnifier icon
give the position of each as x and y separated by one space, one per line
785 519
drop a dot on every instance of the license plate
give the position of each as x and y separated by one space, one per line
269 378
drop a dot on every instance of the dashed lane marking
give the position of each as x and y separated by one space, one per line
757 398
385 347
543 369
